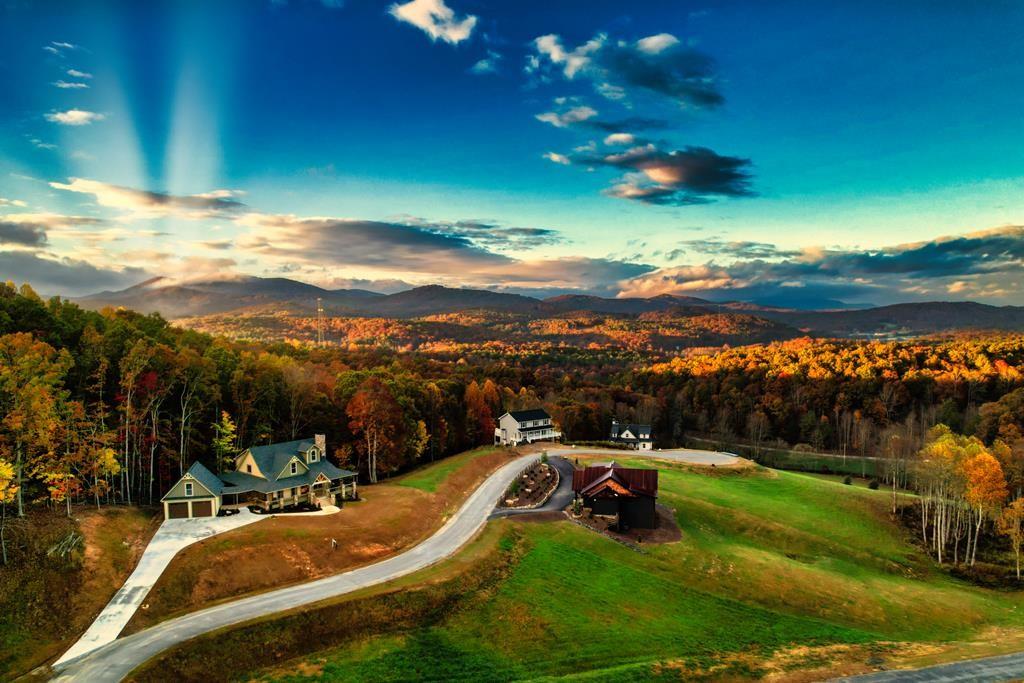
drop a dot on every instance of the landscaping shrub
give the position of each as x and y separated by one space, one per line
848 480
873 484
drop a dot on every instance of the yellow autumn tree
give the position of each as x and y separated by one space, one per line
985 491
7 491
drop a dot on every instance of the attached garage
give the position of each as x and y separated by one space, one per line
197 494
202 508
177 510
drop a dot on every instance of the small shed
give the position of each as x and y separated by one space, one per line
628 493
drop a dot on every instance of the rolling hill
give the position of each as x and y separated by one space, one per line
285 297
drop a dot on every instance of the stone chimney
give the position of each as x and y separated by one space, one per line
320 441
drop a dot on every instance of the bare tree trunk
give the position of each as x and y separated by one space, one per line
3 536
19 469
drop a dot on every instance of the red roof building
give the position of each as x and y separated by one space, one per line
627 493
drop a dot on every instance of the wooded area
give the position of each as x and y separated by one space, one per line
113 406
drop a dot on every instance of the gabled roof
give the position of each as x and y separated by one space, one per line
532 414
635 481
241 482
271 459
635 429
205 477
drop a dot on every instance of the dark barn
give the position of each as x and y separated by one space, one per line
613 490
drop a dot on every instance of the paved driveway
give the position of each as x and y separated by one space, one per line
559 500
989 669
172 536
687 455
102 658
113 661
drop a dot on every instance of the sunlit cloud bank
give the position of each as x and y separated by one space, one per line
126 242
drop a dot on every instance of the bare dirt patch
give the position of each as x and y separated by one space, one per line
47 600
667 530
287 549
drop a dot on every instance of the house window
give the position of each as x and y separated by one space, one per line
248 468
314 455
188 489
295 467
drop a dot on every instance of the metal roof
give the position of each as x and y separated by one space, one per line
636 481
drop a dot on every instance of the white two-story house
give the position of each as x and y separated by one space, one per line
635 436
525 426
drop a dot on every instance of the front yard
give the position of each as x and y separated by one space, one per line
287 549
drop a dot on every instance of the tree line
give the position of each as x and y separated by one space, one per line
113 406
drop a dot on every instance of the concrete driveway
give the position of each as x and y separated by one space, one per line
115 660
102 658
172 536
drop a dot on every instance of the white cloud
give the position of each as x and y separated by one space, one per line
619 139
652 45
49 220
57 47
75 73
487 65
572 62
12 202
658 64
148 204
70 85
568 117
435 19
557 158
74 117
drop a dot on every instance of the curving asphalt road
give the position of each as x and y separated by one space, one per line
112 662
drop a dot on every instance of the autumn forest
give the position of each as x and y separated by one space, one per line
109 407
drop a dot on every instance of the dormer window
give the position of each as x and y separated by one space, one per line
314 455
248 468
294 467
188 488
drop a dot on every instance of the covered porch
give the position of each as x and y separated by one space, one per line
322 491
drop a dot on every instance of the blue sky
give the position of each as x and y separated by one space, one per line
794 153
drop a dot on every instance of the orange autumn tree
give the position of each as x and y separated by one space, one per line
1011 525
376 417
984 490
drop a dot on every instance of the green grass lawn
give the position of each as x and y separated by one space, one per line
768 560
429 477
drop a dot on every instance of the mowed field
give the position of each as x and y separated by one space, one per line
778 574
288 549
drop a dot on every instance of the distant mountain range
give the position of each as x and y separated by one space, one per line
289 297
